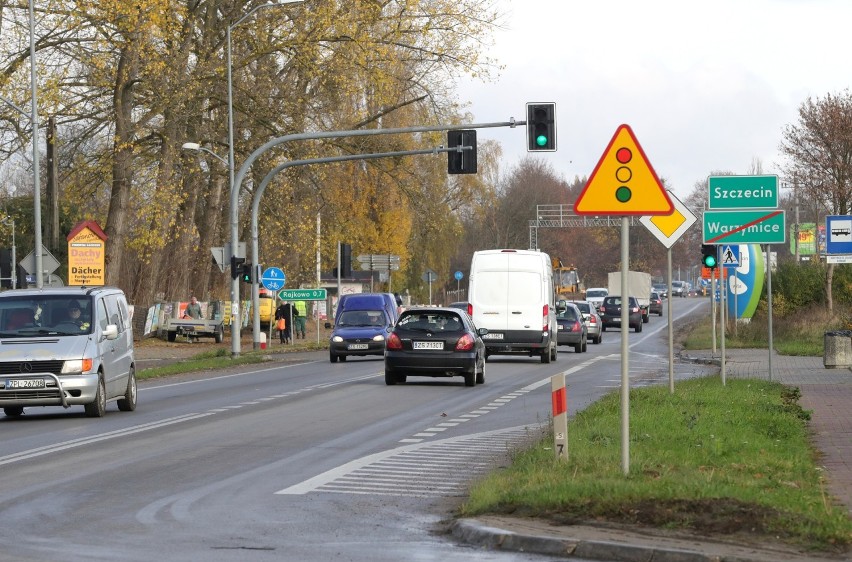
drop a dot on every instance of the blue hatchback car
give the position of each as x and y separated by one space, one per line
360 333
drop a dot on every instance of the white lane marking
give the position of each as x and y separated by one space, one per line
503 400
65 445
469 457
47 449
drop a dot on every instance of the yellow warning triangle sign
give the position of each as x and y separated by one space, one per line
623 182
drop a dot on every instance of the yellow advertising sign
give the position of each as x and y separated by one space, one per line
86 255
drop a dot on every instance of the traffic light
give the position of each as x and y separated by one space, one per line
541 126
461 162
247 273
236 269
708 256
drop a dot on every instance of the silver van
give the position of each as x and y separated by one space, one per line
66 346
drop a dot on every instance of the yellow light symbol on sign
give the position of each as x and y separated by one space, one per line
623 182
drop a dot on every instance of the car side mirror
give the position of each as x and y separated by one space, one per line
111 332
328 325
482 331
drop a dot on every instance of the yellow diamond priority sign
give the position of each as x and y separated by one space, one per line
623 182
669 228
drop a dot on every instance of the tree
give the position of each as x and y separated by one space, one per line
819 155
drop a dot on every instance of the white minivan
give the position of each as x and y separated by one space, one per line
66 346
511 294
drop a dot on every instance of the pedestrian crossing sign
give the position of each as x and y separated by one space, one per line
730 257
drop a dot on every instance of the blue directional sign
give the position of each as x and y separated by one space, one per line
459 275
838 234
273 279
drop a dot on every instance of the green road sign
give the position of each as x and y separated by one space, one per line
743 192
302 295
744 227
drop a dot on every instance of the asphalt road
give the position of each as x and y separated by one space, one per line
303 460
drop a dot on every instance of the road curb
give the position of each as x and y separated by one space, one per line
472 531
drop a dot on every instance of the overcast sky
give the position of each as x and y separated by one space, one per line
705 86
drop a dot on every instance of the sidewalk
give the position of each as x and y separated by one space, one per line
827 393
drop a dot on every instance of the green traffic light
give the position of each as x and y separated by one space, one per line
541 140
710 261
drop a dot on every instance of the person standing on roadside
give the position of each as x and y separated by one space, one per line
193 309
300 311
283 313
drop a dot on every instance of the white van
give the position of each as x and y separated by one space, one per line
66 346
511 294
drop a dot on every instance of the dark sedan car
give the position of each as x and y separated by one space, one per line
656 306
571 328
435 342
611 313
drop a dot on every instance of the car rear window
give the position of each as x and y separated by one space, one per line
431 321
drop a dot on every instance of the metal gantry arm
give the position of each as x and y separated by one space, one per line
235 187
255 211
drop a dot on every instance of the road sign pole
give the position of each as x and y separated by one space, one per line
671 324
625 347
769 302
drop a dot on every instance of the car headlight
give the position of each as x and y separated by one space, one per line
336 339
378 337
76 366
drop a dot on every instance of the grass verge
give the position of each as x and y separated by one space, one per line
798 332
729 460
218 359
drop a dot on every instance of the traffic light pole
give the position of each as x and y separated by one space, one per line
243 171
255 208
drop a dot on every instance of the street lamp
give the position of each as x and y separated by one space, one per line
198 148
235 211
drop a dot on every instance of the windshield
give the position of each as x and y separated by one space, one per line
361 318
593 293
27 315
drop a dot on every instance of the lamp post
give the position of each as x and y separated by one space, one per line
39 269
235 199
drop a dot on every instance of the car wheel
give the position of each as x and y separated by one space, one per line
646 318
220 335
97 407
638 327
660 313
470 378
390 378
480 376
172 336
585 345
598 339
553 352
13 411
332 357
603 328
578 347
545 356
128 403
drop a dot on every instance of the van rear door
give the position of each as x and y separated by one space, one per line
525 302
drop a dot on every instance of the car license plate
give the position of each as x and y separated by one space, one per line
428 345
354 346
25 383
616 319
492 336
